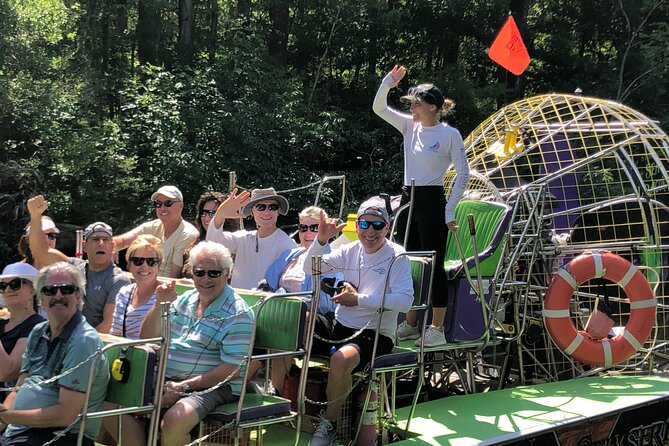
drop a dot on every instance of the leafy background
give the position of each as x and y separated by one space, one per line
102 102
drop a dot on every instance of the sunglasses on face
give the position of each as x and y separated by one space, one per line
139 261
305 228
208 213
377 225
167 203
65 290
52 236
261 207
14 285
213 273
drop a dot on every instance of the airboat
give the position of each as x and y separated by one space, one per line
565 220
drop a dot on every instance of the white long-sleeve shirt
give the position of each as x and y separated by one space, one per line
428 151
367 272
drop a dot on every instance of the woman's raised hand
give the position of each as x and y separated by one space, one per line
397 73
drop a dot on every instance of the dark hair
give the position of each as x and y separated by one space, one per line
24 250
218 198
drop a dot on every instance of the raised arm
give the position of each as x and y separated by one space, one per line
36 239
230 208
380 105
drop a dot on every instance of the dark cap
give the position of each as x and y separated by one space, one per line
98 226
424 93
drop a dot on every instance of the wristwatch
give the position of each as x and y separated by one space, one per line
185 387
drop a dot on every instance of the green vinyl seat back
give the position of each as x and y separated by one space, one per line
420 275
491 222
139 387
280 324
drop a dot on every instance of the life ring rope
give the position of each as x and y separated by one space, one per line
579 345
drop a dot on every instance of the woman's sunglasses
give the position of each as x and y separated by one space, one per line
305 228
65 290
213 273
261 207
138 261
208 213
14 285
377 225
52 236
167 203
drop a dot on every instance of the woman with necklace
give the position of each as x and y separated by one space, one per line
16 287
133 301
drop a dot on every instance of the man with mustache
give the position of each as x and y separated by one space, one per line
63 346
103 278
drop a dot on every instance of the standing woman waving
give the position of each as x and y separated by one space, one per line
430 147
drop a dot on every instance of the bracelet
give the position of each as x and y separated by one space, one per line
186 387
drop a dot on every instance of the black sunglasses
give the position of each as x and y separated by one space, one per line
52 236
65 290
208 213
377 225
167 203
14 285
138 261
213 273
305 228
261 207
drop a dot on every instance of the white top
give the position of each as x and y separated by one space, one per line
253 254
367 272
133 316
428 151
174 246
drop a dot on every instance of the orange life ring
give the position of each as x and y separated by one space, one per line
579 345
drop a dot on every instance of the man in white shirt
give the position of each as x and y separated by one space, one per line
364 264
254 251
170 227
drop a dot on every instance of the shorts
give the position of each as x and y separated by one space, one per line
39 436
364 343
206 402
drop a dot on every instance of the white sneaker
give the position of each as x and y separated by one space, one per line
434 337
325 433
406 331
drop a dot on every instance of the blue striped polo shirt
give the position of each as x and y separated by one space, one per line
221 335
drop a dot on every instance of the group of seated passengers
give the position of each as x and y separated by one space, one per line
193 366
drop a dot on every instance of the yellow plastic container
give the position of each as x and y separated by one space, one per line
349 229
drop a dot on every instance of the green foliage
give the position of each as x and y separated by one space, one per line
82 121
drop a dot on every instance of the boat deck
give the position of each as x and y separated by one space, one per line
553 412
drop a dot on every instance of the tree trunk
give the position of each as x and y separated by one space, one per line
277 44
186 30
149 24
213 30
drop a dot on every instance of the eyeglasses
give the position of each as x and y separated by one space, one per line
377 225
167 203
14 285
305 228
65 289
139 261
261 207
213 273
208 213
52 236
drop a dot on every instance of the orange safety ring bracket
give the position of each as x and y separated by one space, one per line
577 344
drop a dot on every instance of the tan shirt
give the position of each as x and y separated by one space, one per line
173 247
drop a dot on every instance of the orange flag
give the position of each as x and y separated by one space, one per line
508 49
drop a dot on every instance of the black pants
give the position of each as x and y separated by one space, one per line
427 232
